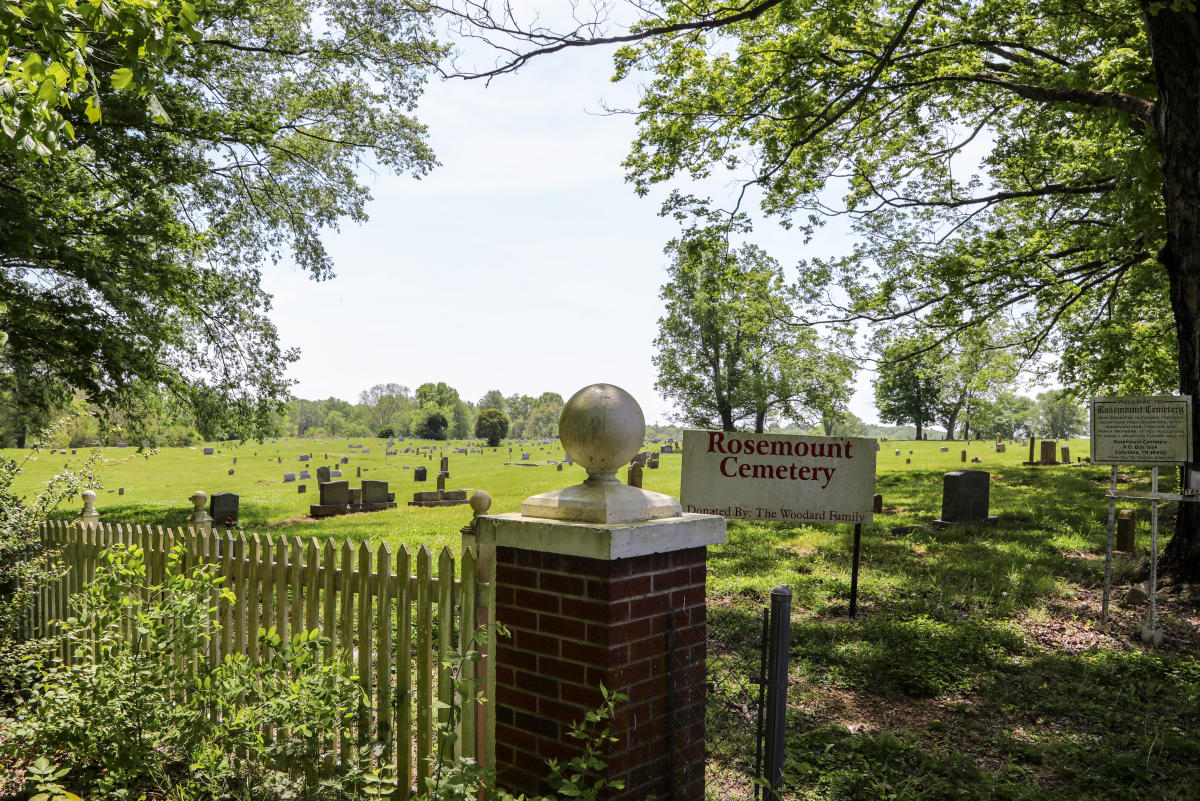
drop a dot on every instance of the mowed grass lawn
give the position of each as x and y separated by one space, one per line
978 667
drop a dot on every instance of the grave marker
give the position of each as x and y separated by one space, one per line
965 496
223 508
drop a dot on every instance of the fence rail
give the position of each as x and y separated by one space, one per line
387 613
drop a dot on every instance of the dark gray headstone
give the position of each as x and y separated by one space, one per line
445 464
207 451
301 488
223 508
231 471
355 496
322 475
305 474
419 473
335 474
374 491
441 481
634 478
965 496
335 493
303 457
289 477
345 460
1049 451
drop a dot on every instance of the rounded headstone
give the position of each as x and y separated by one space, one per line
602 427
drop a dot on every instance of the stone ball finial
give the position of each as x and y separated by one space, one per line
602 427
480 502
88 497
198 499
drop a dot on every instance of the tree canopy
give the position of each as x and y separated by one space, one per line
727 353
1032 159
131 250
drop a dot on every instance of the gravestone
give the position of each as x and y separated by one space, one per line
524 457
1066 455
223 508
667 449
907 460
560 467
944 449
231 471
1032 440
355 496
965 496
278 460
335 474
289 477
235 460
345 460
335 493
964 456
303 457
634 476
441 482
358 474
1049 451
445 464
120 490
323 475
653 465
1000 447
877 504
208 451
1125 531
300 488
305 474
897 451
374 491
419 473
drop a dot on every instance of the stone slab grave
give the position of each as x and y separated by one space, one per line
375 495
1000 447
335 499
965 497
301 488
419 473
1049 452
943 449
303 457
208 451
289 477
323 475
335 474
305 474
223 508
440 497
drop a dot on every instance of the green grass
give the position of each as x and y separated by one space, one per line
977 668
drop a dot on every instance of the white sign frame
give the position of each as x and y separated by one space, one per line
1140 416
779 477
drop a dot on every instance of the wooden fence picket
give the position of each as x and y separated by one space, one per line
391 623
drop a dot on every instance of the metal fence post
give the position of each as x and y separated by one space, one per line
777 682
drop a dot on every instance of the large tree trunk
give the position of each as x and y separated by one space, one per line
1174 38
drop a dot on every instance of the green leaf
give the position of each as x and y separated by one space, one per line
121 78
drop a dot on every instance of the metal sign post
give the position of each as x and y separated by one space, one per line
1147 431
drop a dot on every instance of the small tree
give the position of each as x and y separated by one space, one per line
491 425
431 425
908 387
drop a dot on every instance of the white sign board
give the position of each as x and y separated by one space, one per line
778 477
1145 430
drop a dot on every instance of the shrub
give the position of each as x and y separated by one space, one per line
151 715
430 425
386 433
491 425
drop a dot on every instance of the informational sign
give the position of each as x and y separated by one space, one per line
778 477
1146 430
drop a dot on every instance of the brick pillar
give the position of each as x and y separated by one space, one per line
577 622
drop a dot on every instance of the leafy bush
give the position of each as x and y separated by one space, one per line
491 425
386 433
430 425
24 567
151 714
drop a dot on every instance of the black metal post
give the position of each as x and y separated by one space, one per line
777 682
854 569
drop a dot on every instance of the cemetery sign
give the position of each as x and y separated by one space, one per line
778 477
1142 430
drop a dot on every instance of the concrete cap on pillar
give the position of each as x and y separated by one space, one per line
601 427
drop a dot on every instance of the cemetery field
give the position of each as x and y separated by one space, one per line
978 667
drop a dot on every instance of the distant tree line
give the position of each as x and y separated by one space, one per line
433 411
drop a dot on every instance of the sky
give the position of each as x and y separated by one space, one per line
524 263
